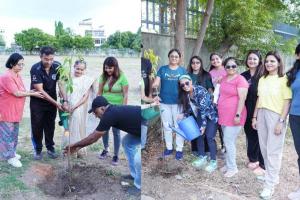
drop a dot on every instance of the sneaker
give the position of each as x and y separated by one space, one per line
267 193
179 155
223 150
223 169
212 166
167 152
115 160
17 156
104 154
261 178
294 195
37 155
52 154
133 191
200 162
14 162
259 171
230 173
127 177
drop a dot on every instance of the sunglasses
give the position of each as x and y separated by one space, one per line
230 66
187 83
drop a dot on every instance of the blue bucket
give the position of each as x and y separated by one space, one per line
188 128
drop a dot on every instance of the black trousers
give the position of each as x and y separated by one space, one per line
42 122
253 149
295 128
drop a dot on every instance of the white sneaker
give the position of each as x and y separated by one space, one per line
14 162
294 195
17 156
267 193
230 173
223 169
260 178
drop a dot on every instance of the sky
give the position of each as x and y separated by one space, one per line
18 15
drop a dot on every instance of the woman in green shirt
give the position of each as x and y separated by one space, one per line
113 85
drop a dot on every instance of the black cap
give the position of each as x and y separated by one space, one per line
99 101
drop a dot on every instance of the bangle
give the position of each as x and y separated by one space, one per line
254 117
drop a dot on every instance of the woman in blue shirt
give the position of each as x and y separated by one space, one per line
294 82
167 77
196 101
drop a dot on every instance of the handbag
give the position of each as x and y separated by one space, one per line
149 113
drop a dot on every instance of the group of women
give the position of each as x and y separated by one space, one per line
257 100
113 85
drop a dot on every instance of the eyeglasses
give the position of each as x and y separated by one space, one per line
193 63
174 56
187 83
21 64
230 66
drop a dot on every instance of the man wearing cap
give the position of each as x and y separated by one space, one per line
124 117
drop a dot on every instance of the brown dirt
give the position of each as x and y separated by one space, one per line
89 178
193 184
80 181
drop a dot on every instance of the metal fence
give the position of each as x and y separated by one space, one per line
159 17
123 53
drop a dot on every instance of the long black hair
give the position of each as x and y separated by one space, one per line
210 57
279 60
260 68
202 75
183 99
111 62
291 74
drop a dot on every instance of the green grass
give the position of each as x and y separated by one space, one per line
112 173
9 177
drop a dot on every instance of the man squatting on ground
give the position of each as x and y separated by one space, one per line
124 117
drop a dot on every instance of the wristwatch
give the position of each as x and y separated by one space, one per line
281 120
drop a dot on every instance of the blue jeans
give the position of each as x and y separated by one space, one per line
117 139
131 145
210 134
295 128
144 130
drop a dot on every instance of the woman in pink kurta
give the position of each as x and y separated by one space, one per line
232 112
12 100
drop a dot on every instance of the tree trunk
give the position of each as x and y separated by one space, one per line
203 27
180 26
161 19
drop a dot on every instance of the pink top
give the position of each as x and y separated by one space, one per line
228 101
11 107
217 75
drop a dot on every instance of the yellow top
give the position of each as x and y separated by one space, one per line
272 92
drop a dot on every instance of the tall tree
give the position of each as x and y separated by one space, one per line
33 38
180 26
244 24
59 29
121 40
83 43
203 27
292 14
